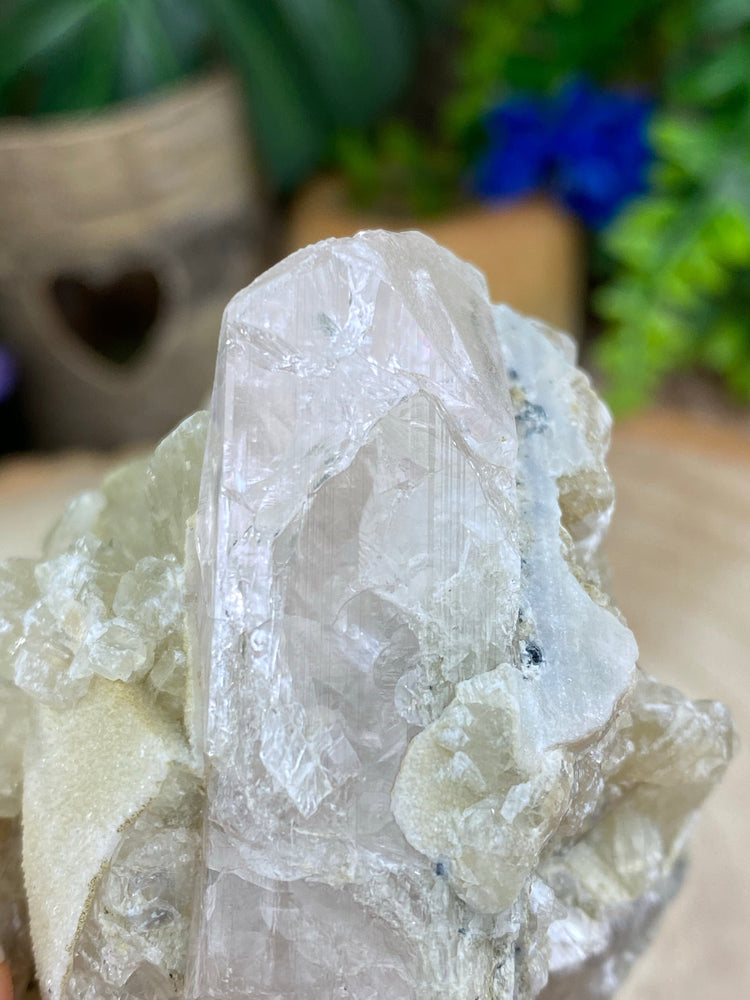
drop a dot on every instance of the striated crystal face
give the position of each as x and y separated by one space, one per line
362 721
358 542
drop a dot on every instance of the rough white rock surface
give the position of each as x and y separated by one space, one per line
368 724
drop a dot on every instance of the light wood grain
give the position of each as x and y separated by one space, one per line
680 555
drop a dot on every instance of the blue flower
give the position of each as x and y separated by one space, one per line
518 156
602 153
587 146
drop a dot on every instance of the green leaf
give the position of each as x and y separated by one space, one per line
723 15
635 238
358 53
689 144
726 235
288 120
189 28
622 301
392 39
148 59
70 83
624 360
698 268
666 338
728 71
360 166
29 30
725 346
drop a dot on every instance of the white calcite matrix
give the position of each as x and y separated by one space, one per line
351 715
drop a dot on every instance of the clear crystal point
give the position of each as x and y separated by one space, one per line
358 542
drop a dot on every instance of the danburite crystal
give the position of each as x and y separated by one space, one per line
432 767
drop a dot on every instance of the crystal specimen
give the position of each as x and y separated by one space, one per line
376 665
425 735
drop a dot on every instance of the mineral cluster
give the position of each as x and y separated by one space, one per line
355 718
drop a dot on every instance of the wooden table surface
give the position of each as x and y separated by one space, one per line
680 555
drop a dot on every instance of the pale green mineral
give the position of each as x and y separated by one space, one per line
93 682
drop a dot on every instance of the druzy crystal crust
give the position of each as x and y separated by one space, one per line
360 721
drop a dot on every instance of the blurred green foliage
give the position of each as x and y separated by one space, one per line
529 45
309 67
676 264
538 44
679 295
396 171
320 72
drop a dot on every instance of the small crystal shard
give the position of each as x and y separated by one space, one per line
361 721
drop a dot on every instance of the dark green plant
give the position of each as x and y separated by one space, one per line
680 294
396 170
538 44
309 66
528 45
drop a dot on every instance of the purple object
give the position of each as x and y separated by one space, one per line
8 373
589 147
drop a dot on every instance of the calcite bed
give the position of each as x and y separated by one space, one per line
349 713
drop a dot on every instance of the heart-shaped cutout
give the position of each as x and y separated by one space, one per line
114 319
